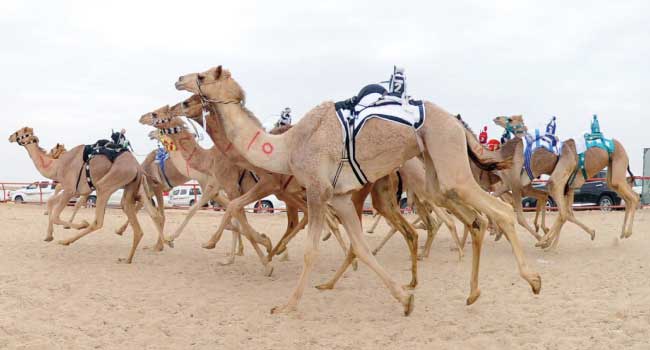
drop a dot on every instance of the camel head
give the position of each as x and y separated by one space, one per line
23 136
159 115
191 108
154 135
57 151
215 84
514 124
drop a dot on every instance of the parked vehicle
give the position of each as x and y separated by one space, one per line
592 193
266 205
36 192
184 196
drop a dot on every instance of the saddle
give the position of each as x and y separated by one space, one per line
111 149
373 102
532 143
592 139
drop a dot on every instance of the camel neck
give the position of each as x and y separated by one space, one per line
191 151
45 164
262 150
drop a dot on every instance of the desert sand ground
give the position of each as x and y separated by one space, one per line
595 295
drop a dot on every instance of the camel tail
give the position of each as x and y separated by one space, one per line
489 162
631 179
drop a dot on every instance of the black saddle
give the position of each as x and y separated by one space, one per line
103 147
365 91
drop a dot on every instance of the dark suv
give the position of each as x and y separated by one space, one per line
593 192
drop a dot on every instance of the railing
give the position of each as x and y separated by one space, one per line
6 189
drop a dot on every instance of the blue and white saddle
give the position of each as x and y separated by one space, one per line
372 102
538 141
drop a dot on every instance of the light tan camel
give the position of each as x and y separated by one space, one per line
107 177
48 167
308 152
545 162
55 153
225 176
562 189
382 191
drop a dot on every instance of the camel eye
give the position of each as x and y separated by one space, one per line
200 77
154 114
185 104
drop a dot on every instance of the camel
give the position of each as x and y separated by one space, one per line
54 154
223 175
542 162
308 152
566 177
382 191
107 177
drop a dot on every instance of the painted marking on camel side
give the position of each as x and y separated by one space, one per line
267 148
257 134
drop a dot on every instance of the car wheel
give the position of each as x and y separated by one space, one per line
191 202
605 203
91 202
19 200
550 204
265 207
403 203
526 204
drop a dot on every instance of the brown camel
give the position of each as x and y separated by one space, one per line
561 186
545 162
223 175
308 152
107 177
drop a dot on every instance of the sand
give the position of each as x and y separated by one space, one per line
595 295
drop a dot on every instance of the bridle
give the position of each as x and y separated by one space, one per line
31 139
515 130
205 100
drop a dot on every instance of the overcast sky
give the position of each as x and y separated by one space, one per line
73 70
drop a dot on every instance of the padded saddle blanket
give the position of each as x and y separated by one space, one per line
535 142
587 141
103 147
353 116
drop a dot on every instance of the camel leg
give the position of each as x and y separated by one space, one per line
519 210
77 205
374 224
345 211
383 242
211 191
556 190
58 204
288 236
129 208
457 186
316 201
349 258
477 242
590 231
618 182
100 211
156 213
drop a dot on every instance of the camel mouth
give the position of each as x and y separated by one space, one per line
179 86
146 119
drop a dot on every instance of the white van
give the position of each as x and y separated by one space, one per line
184 196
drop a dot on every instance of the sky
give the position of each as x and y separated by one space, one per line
74 70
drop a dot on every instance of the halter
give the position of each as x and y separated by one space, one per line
205 99
171 131
515 130
157 121
32 139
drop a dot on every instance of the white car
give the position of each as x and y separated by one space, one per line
37 192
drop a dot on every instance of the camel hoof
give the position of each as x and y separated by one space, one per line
280 250
410 286
355 265
473 296
63 242
227 262
282 309
84 224
593 235
268 270
170 243
536 284
67 227
48 239
208 245
374 252
157 248
408 308
123 261
327 236
325 286
284 257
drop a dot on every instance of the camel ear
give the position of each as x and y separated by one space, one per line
217 72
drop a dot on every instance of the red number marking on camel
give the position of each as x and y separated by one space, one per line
257 134
267 148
